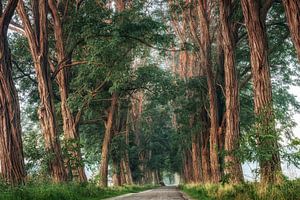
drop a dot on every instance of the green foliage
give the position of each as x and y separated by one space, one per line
74 191
288 190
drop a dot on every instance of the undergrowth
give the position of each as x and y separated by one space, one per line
288 190
69 191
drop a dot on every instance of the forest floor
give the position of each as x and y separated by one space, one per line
162 193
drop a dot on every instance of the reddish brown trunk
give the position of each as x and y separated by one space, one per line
71 135
196 159
116 177
205 56
195 152
205 160
254 15
38 42
232 165
292 12
125 161
11 151
187 167
106 142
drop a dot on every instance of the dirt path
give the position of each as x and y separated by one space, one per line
163 193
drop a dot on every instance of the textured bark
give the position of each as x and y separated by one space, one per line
188 67
187 167
255 16
204 43
71 135
106 142
233 167
292 12
38 43
11 151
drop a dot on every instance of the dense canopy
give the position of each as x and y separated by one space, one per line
129 92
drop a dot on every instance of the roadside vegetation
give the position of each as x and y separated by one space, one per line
287 190
66 191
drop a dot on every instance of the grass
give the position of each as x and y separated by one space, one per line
70 191
288 190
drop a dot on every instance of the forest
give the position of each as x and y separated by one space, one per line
100 98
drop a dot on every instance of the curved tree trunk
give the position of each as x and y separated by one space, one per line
255 16
233 167
213 110
292 12
106 142
11 151
71 135
38 43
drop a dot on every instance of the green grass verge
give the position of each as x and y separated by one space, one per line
288 190
70 191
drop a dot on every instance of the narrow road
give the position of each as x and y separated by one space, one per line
162 193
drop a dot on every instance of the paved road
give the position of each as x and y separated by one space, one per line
163 193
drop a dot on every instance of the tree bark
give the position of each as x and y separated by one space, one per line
233 166
204 43
12 168
38 43
292 12
255 16
106 142
71 135
204 137
125 161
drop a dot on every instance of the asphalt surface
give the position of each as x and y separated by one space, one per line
162 193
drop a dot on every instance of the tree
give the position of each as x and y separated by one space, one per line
292 12
37 35
106 141
233 166
255 15
11 149
70 124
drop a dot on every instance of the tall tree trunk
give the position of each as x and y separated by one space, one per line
38 43
106 142
187 166
232 164
292 12
71 135
125 161
205 160
196 159
205 57
116 177
269 162
11 151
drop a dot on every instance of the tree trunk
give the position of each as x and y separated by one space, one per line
38 43
233 167
106 142
116 177
187 167
11 151
196 159
125 161
205 160
292 12
71 135
269 161
213 111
